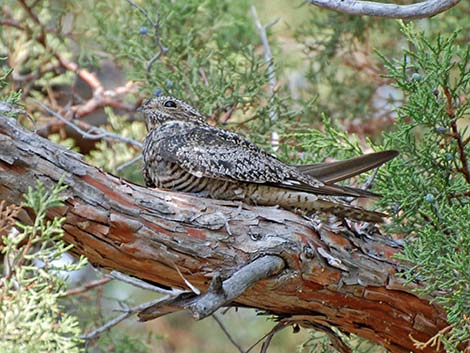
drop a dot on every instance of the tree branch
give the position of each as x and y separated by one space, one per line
94 133
220 293
227 333
457 135
333 276
101 97
111 323
87 286
162 50
369 8
268 58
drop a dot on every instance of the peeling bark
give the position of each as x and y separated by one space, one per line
332 276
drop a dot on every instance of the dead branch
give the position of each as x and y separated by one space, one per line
87 286
332 276
268 58
100 96
162 50
93 133
456 134
144 285
220 293
226 332
422 9
127 313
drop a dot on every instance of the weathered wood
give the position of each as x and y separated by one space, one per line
220 292
333 276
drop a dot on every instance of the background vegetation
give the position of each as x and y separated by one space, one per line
341 86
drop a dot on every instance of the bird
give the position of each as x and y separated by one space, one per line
183 153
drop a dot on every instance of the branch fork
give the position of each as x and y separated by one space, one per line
220 293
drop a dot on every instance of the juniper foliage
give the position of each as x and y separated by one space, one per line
427 187
31 317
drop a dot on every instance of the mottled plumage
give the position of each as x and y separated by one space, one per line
184 153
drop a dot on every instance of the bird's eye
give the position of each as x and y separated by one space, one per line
170 104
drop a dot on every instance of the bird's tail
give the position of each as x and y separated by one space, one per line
308 203
344 210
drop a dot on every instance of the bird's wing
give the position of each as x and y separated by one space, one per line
207 151
337 171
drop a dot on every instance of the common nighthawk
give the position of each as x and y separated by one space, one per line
184 153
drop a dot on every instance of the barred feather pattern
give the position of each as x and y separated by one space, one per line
183 153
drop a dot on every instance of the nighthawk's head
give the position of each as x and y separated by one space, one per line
162 109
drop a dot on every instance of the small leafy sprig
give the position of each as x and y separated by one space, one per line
428 186
31 318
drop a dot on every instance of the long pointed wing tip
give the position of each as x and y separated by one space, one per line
390 153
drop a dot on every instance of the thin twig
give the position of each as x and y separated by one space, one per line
87 286
466 141
228 114
217 319
268 337
11 23
142 284
85 75
34 75
434 341
105 98
370 180
31 14
128 163
459 194
258 342
369 8
271 73
162 49
456 135
100 97
118 319
267 57
156 26
94 133
133 4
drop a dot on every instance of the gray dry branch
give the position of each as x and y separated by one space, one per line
422 9
329 277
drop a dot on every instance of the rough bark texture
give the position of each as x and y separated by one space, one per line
333 277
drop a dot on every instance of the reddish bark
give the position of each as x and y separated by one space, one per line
333 277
